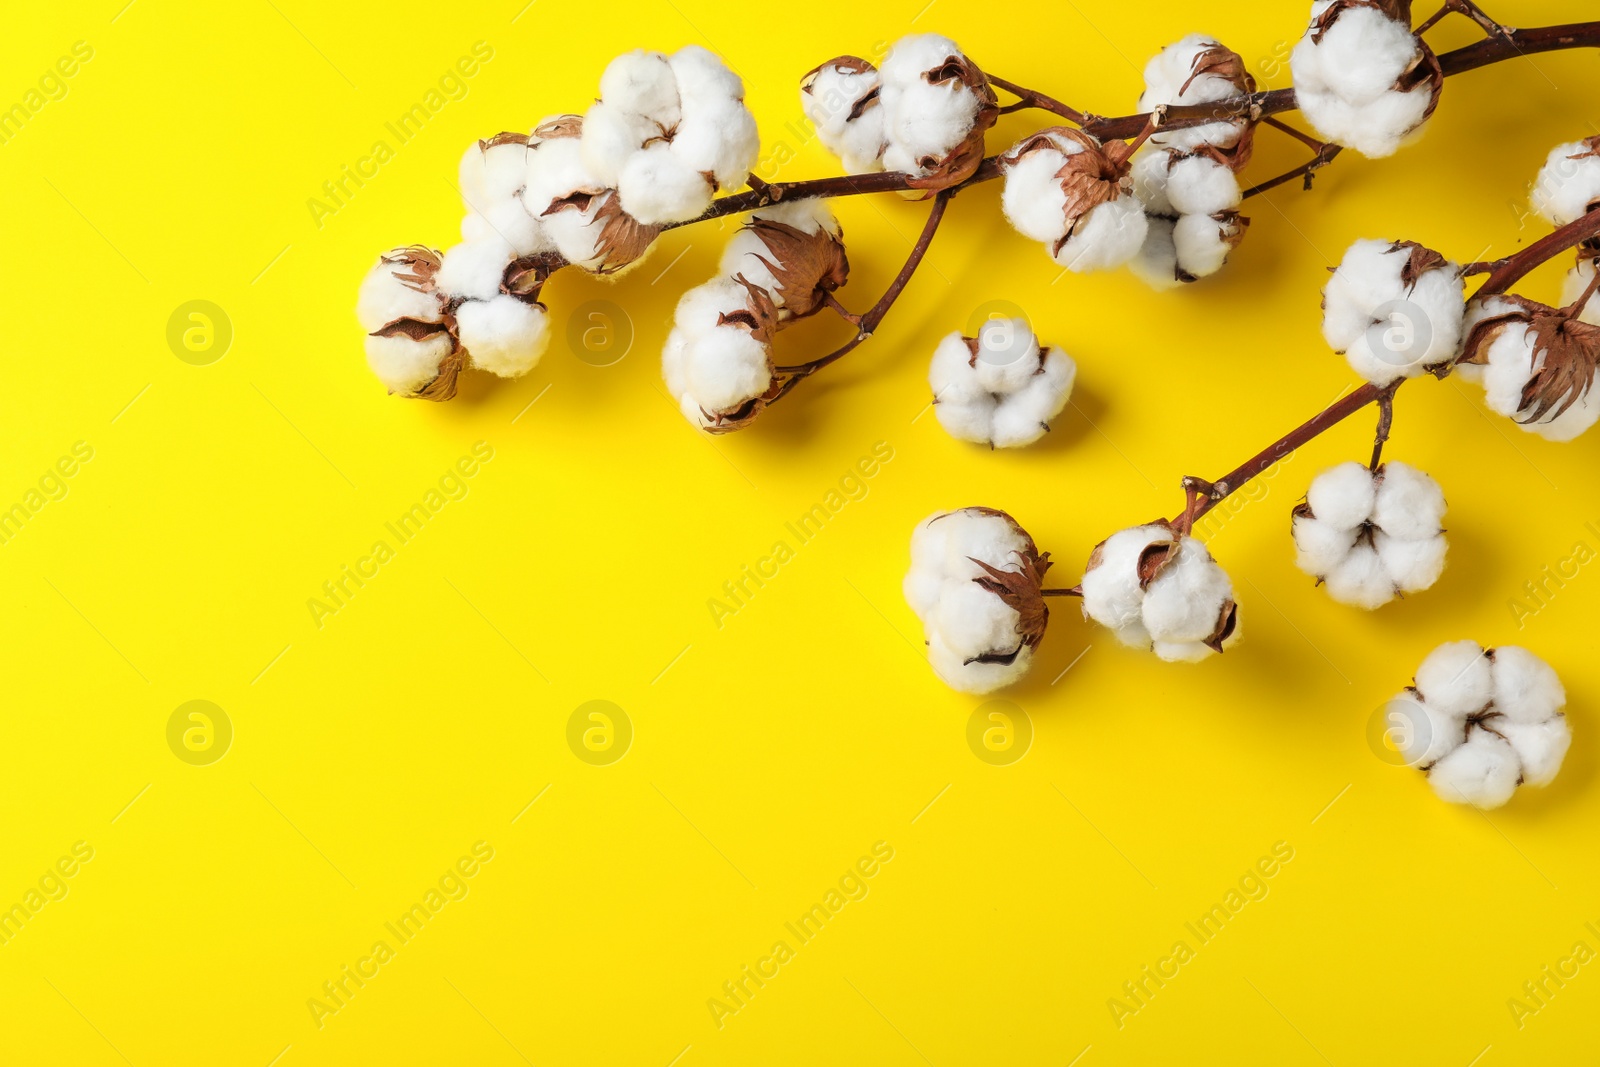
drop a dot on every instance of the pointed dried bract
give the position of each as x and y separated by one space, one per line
1554 354
803 265
1065 188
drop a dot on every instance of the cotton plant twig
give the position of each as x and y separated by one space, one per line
1032 98
1323 153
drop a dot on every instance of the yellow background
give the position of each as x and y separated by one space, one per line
770 753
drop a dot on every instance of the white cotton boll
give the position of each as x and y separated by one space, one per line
1344 82
1483 772
1032 198
642 83
1169 78
1384 328
1202 243
1111 593
1024 416
1575 284
702 76
657 187
1420 732
828 101
725 367
404 365
1540 746
1107 237
925 122
1412 565
1364 279
1149 174
1456 679
972 620
971 534
509 221
1568 183
1320 546
611 135
1510 365
1526 688
576 234
504 335
719 138
488 175
383 298
700 309
1157 262
1343 496
1407 503
915 53
975 678
1185 601
968 418
1359 579
1377 129
555 171
1199 185
1008 355
474 270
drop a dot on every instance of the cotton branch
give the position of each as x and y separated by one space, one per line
1032 98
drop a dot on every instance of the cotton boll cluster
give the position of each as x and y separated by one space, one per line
411 344
531 195
1186 177
1568 185
974 584
1160 589
1073 194
1362 78
668 132
717 362
1393 310
1371 536
924 113
999 388
1536 364
1482 722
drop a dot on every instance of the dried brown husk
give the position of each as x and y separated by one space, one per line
1419 260
804 265
560 126
854 65
1570 348
1020 589
623 238
1094 176
961 161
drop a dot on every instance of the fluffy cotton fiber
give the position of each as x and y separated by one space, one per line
1371 536
999 388
1161 590
1393 309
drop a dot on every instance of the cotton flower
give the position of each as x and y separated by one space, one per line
1159 589
1362 78
974 583
841 99
1393 310
936 105
1371 536
1480 722
410 343
1199 70
1536 364
717 362
668 132
1568 185
999 388
1065 189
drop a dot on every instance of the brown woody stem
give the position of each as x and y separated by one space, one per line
1074 591
1202 496
869 321
1509 271
1032 98
1385 422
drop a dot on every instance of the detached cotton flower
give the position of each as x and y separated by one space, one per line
1371 536
974 583
1481 722
1067 190
1393 309
717 362
1536 364
1568 185
1158 589
411 344
1362 78
999 388
668 132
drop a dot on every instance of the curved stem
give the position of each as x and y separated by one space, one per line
1507 272
1033 98
869 321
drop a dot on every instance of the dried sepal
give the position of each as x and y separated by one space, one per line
1096 175
560 126
1569 347
804 265
421 263
1419 260
1020 590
